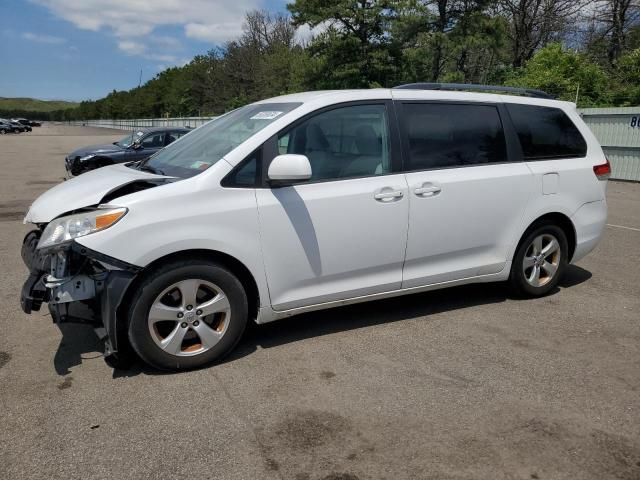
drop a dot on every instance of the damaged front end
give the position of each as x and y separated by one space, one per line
79 285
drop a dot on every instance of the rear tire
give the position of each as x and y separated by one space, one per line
540 261
187 314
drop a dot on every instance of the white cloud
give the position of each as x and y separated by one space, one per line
165 41
209 20
162 58
217 33
131 47
133 22
305 33
134 47
36 37
180 62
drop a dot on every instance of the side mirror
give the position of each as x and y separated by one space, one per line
288 169
136 145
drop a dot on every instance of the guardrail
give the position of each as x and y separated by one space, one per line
133 123
617 130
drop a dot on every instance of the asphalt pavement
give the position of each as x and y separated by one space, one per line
464 383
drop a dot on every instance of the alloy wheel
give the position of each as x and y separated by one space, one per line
189 317
541 260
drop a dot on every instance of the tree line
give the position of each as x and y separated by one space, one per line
584 50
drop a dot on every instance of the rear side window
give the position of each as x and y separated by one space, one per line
155 140
452 135
546 133
173 136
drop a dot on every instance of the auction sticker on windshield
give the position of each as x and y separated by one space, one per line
268 115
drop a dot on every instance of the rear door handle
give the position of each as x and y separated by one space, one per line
389 195
427 190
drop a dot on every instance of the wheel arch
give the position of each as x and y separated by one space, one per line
233 264
555 218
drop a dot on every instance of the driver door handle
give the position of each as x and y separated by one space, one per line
389 195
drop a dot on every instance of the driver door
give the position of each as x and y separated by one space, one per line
343 233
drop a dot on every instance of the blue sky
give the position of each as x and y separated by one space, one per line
83 49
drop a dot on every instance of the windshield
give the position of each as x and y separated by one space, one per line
207 144
126 142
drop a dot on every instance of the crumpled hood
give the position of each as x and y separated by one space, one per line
106 148
84 191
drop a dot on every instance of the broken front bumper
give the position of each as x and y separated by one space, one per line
79 285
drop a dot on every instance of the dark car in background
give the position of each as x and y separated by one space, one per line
19 122
12 126
18 126
29 123
135 146
4 128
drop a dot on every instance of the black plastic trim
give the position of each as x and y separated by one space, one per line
111 296
101 257
33 293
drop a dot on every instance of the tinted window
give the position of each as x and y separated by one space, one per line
155 140
546 132
173 136
344 142
447 135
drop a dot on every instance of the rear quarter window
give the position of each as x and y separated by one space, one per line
546 133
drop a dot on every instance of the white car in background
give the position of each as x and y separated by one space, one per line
314 200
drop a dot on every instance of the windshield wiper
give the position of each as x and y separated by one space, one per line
147 168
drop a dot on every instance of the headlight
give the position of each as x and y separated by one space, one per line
87 157
64 229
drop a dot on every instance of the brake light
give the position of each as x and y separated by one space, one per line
603 172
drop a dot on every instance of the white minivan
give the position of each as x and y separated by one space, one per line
314 200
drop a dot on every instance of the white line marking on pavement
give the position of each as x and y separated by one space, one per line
622 226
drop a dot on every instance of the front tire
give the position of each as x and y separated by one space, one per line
187 314
540 261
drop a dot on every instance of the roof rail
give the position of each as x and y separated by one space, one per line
527 92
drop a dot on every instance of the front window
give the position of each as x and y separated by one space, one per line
209 143
126 142
351 141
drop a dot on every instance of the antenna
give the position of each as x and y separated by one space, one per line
137 104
